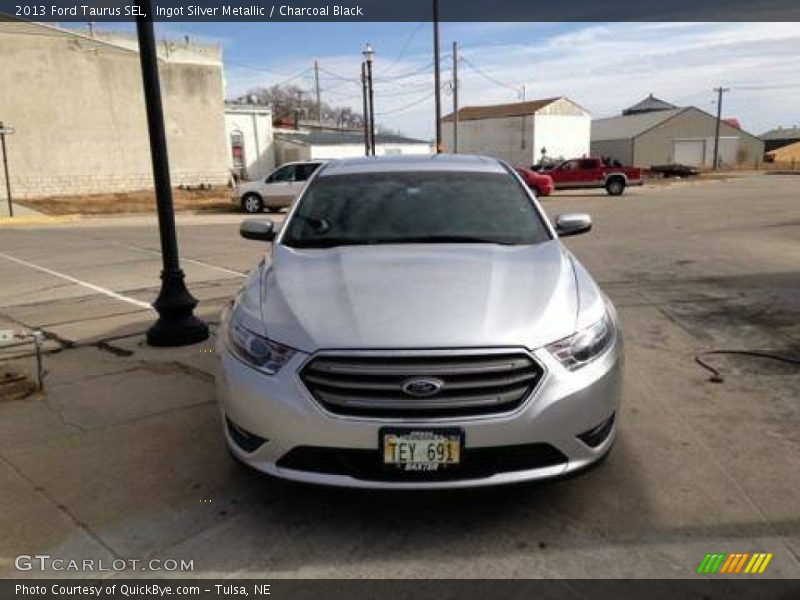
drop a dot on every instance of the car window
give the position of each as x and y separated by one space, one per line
305 171
286 173
569 165
588 164
414 207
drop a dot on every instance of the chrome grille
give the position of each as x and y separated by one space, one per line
471 384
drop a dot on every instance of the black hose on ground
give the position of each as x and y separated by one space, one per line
716 377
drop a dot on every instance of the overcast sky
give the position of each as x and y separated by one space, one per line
605 67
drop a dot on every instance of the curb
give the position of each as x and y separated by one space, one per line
37 220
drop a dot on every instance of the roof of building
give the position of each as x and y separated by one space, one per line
493 111
186 50
433 162
261 109
781 133
629 126
333 138
649 104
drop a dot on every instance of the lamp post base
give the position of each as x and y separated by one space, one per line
176 324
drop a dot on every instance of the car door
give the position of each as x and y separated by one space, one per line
566 175
277 190
589 172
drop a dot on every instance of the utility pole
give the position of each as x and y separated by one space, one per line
436 78
6 130
524 119
176 324
720 91
366 107
368 54
455 97
316 86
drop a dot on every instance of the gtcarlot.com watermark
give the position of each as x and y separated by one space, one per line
46 562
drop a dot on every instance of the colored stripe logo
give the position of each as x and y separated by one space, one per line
734 563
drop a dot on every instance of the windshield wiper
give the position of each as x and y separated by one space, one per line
324 243
447 239
425 239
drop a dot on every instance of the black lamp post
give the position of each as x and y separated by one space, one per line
368 54
437 85
176 324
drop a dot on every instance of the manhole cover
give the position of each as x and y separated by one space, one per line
15 386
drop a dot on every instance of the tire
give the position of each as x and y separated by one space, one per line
252 203
615 186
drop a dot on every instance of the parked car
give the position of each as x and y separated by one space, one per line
419 325
276 191
541 184
580 173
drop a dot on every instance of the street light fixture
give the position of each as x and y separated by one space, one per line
369 53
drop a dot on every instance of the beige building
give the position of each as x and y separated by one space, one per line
654 132
77 105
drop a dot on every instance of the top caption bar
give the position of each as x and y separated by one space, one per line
403 10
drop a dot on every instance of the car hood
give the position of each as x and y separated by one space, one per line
419 296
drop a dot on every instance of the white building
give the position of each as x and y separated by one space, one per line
519 133
251 144
293 145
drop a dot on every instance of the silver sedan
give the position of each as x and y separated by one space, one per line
419 325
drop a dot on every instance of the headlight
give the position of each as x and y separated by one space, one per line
584 346
256 350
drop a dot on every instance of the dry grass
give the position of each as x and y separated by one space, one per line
215 200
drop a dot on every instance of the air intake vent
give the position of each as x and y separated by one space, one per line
439 385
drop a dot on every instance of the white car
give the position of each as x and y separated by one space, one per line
276 191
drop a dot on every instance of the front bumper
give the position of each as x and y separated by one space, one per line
280 410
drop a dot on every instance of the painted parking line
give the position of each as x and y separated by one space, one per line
192 261
86 284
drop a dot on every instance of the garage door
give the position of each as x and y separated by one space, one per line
689 152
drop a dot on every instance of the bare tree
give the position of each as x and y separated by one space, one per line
287 100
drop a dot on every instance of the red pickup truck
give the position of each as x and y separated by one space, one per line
593 173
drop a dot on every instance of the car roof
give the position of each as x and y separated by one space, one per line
433 162
303 162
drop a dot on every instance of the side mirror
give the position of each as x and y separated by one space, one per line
573 224
262 230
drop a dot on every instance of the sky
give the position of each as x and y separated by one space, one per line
604 67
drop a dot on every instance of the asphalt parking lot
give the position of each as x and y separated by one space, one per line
122 456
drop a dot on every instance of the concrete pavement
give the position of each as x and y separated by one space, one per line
122 456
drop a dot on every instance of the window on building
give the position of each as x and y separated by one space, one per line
237 149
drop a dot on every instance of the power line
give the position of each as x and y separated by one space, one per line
405 107
404 48
766 87
284 81
488 77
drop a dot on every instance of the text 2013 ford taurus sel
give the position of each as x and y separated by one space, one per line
419 325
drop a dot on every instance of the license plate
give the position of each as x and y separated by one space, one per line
421 450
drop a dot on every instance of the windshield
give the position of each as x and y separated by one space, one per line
414 207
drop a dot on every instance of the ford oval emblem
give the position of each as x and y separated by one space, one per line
423 386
